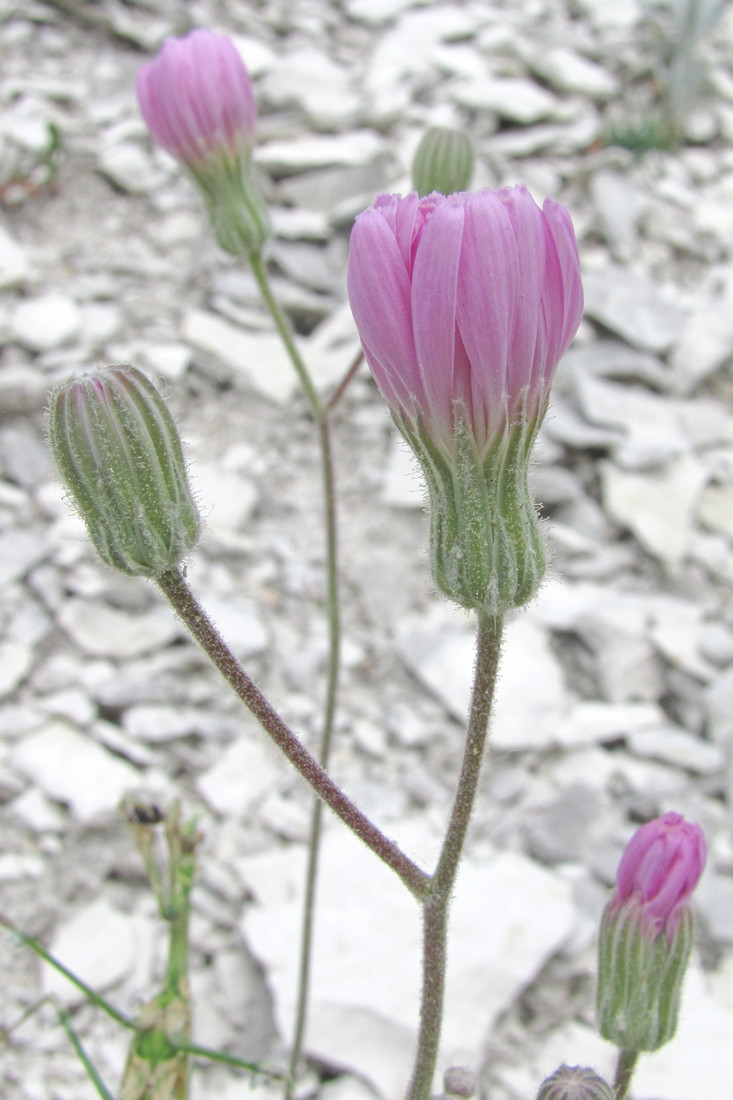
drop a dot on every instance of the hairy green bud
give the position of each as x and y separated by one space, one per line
119 454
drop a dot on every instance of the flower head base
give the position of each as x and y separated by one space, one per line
197 100
464 304
575 1083
443 162
119 454
646 933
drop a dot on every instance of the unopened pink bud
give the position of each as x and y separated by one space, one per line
197 100
465 304
196 97
659 869
646 934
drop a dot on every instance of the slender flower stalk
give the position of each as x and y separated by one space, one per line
465 304
442 884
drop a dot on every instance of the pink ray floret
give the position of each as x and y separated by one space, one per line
196 98
659 870
465 304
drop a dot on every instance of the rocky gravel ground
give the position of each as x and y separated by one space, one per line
616 694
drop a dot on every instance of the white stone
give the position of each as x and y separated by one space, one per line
14 264
46 322
70 768
128 166
716 509
34 810
16 661
227 501
20 551
243 775
517 100
619 203
679 748
104 631
588 723
366 914
375 12
633 307
17 865
171 360
161 723
314 81
257 359
404 483
658 507
571 72
705 344
302 154
98 944
440 650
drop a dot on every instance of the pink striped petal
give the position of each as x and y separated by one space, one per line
379 292
434 297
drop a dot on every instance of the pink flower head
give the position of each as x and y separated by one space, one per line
465 304
659 869
196 98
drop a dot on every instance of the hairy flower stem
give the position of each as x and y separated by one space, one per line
203 630
625 1067
437 902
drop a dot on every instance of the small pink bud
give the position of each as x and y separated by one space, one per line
646 934
196 98
659 869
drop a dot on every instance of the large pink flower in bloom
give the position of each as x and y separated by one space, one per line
196 98
465 305
659 869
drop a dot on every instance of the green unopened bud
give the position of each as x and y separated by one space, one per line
640 980
575 1083
646 934
443 162
119 454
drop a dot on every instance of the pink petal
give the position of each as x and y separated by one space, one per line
434 294
488 284
379 293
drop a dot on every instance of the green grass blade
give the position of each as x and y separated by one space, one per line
84 1058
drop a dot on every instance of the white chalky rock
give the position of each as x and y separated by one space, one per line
14 265
103 631
440 650
243 775
16 660
98 944
657 506
70 768
367 948
258 359
47 322
326 150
